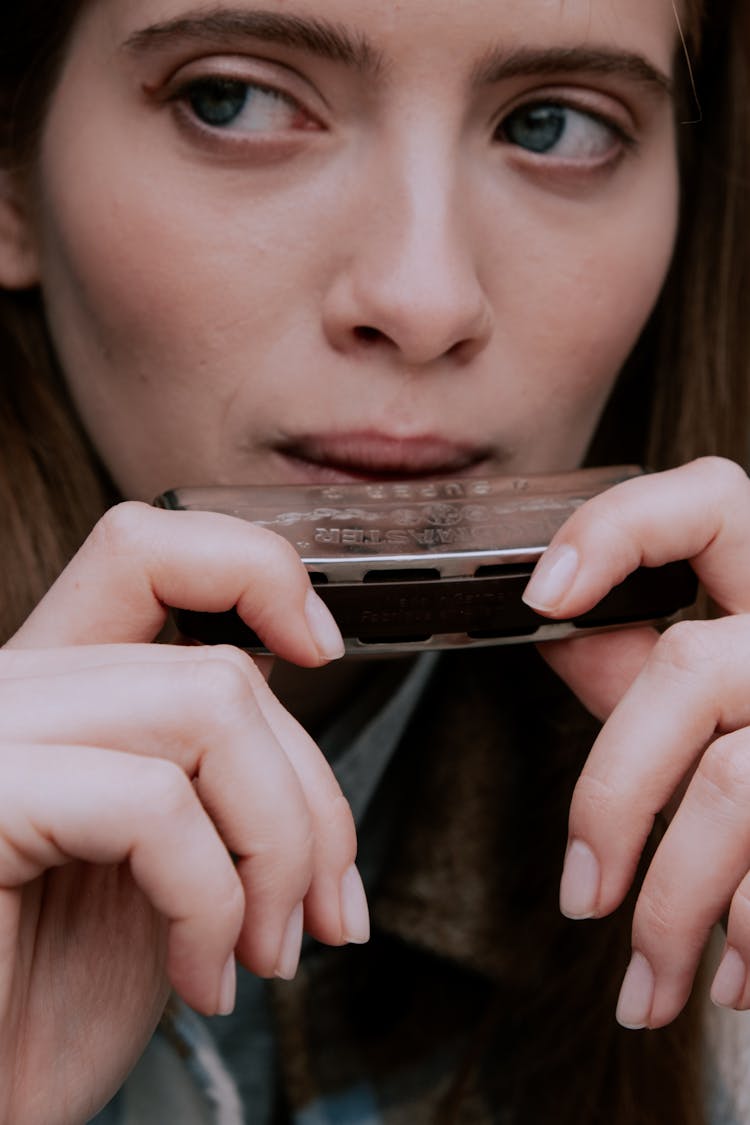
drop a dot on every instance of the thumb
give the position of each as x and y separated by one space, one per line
139 560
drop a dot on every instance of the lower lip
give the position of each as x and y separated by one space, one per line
314 473
311 471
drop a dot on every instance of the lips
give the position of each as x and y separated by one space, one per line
375 456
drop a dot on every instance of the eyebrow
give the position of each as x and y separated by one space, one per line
317 37
334 42
499 65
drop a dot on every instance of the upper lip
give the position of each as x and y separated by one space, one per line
369 453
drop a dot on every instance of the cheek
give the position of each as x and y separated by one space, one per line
585 294
130 324
132 278
146 264
583 285
160 302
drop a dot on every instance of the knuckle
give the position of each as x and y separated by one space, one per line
283 862
297 851
279 555
289 555
227 655
338 823
725 768
234 656
221 684
167 793
120 528
592 799
610 517
300 847
684 648
232 901
739 917
281 581
654 921
286 836
728 476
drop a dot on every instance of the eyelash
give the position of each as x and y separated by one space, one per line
621 139
183 97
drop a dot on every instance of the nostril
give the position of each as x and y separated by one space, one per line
367 334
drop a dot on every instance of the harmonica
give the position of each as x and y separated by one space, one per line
431 563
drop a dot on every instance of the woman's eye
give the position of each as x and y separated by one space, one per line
223 102
561 131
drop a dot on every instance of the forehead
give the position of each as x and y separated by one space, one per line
393 29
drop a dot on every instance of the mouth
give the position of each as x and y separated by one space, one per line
368 456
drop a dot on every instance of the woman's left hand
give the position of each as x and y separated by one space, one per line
677 730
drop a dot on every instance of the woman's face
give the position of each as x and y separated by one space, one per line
321 239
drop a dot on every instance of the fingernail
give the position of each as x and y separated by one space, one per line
552 578
636 994
325 631
291 945
729 982
579 886
228 988
355 915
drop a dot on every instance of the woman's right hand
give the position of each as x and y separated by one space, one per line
159 810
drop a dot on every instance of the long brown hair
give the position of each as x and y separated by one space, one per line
52 490
684 392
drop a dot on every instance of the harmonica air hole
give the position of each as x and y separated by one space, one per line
504 570
404 639
423 574
317 578
586 621
490 634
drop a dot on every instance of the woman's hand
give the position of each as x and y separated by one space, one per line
677 730
159 810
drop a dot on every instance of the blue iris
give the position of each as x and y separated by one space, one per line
218 101
536 128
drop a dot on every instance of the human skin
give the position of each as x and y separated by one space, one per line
375 280
379 281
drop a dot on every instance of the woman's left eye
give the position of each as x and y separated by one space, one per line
228 103
551 129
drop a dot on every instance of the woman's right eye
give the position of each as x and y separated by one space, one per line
235 106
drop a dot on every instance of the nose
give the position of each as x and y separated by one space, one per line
407 280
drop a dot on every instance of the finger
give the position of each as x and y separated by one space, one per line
123 808
600 668
700 511
264 664
731 983
700 863
138 560
268 787
19 663
335 905
692 686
